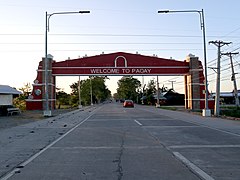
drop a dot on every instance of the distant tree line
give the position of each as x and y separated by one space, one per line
131 88
100 92
128 88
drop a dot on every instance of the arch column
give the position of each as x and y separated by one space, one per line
36 101
51 84
194 84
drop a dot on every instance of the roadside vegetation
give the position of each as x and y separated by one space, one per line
100 93
231 111
96 84
169 108
128 88
20 102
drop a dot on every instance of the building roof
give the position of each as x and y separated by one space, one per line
226 94
160 96
5 89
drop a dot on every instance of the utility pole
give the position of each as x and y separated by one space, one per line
172 83
219 44
233 77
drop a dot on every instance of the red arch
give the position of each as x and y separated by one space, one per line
107 64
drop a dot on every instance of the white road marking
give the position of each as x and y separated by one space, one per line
138 122
11 173
193 167
204 146
163 127
106 147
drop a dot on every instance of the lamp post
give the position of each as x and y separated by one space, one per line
47 111
206 111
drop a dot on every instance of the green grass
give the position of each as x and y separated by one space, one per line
64 107
230 111
168 108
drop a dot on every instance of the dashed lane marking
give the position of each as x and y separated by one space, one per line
204 146
138 122
193 167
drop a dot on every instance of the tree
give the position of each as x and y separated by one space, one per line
99 91
128 88
151 89
26 90
115 96
62 98
74 98
20 101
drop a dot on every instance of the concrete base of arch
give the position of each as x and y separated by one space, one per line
206 112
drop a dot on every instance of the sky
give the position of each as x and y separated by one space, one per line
116 26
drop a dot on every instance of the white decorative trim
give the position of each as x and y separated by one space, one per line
125 61
129 67
201 84
38 84
43 84
41 70
195 70
39 100
194 99
34 100
160 74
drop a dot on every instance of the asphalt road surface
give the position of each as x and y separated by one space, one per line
109 142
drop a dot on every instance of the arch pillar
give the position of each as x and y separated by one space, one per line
51 84
36 101
194 86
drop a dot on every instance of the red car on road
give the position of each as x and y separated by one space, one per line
128 103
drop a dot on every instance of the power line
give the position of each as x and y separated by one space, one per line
108 50
100 43
110 35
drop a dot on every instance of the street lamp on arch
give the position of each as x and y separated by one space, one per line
47 111
206 111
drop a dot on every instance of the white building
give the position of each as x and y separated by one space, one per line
227 97
6 95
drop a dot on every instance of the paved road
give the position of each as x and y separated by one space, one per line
112 142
